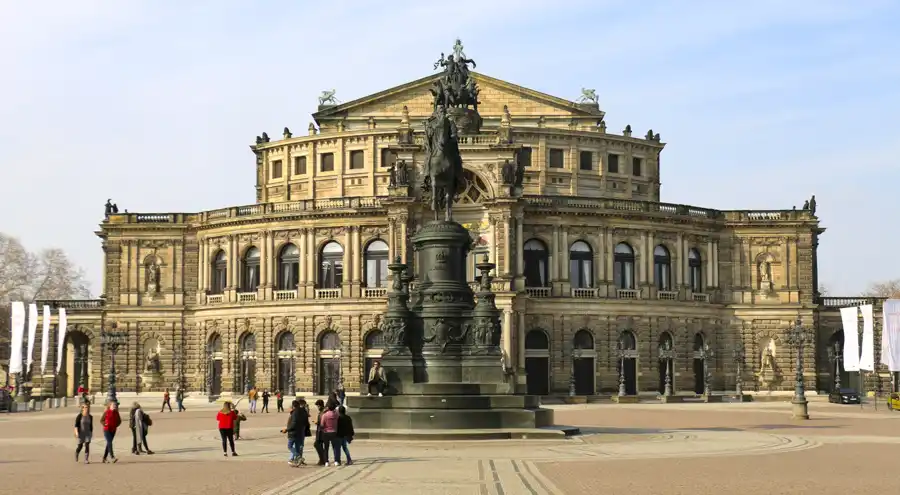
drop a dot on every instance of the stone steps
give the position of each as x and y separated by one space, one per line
455 402
545 433
443 419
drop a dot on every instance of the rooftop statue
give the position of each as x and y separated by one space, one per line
328 98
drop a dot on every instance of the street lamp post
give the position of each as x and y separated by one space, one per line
706 354
209 371
576 353
836 356
797 337
739 355
666 355
112 339
620 353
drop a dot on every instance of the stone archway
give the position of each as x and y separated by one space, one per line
214 357
537 362
583 362
76 366
329 362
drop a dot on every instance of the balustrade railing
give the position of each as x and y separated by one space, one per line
538 291
328 293
285 295
667 295
842 302
628 294
215 298
374 292
72 304
697 297
245 297
584 293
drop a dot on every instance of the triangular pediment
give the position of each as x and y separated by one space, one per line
494 95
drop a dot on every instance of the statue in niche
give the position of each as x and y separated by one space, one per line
765 275
392 177
151 364
402 173
508 173
153 278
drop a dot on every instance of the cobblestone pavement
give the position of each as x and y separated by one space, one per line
644 448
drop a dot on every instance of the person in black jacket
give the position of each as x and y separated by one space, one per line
345 432
319 442
84 429
297 430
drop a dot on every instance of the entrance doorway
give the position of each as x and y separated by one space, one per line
286 354
214 365
374 346
629 346
329 362
247 371
583 362
699 368
665 365
537 362
76 366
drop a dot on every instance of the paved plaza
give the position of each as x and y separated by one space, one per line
644 448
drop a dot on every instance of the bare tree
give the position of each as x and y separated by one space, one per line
889 288
26 276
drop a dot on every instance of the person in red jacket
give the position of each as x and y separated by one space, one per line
226 419
111 421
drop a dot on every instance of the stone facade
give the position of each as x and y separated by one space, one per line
248 294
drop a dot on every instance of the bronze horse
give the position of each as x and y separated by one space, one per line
443 164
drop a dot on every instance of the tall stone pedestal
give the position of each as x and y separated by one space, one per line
442 357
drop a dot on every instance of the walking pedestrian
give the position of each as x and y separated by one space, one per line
279 401
252 397
179 399
239 418
111 421
225 418
328 424
318 443
297 430
166 402
345 432
265 397
84 429
135 434
341 394
139 422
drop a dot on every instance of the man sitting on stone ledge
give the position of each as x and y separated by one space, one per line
376 381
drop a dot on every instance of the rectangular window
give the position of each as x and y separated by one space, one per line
556 158
388 158
356 160
327 162
586 160
299 165
612 163
524 156
636 166
276 169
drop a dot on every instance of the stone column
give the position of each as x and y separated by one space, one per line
507 262
715 272
736 279
785 263
349 258
357 272
302 268
564 255
264 255
650 259
520 338
229 276
608 260
311 260
554 253
201 269
520 247
642 263
709 264
404 220
393 240
507 335
600 268
682 261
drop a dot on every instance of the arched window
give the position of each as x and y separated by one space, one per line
288 267
665 340
250 270
215 343
581 265
629 342
331 263
536 262
329 341
699 342
374 340
537 339
662 268
583 340
695 271
472 190
248 343
623 266
219 273
376 262
286 342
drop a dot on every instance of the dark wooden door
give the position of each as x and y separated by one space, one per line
537 375
631 376
329 374
584 376
699 378
216 382
284 375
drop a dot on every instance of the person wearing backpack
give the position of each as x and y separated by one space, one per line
345 432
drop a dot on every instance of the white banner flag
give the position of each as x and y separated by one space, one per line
61 328
867 354
18 333
45 338
850 320
32 333
890 335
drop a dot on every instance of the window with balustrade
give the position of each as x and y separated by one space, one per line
288 267
536 258
250 270
331 266
219 272
662 268
581 265
376 262
695 271
623 266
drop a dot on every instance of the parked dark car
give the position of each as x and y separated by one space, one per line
844 396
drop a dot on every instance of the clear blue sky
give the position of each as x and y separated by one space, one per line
154 103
